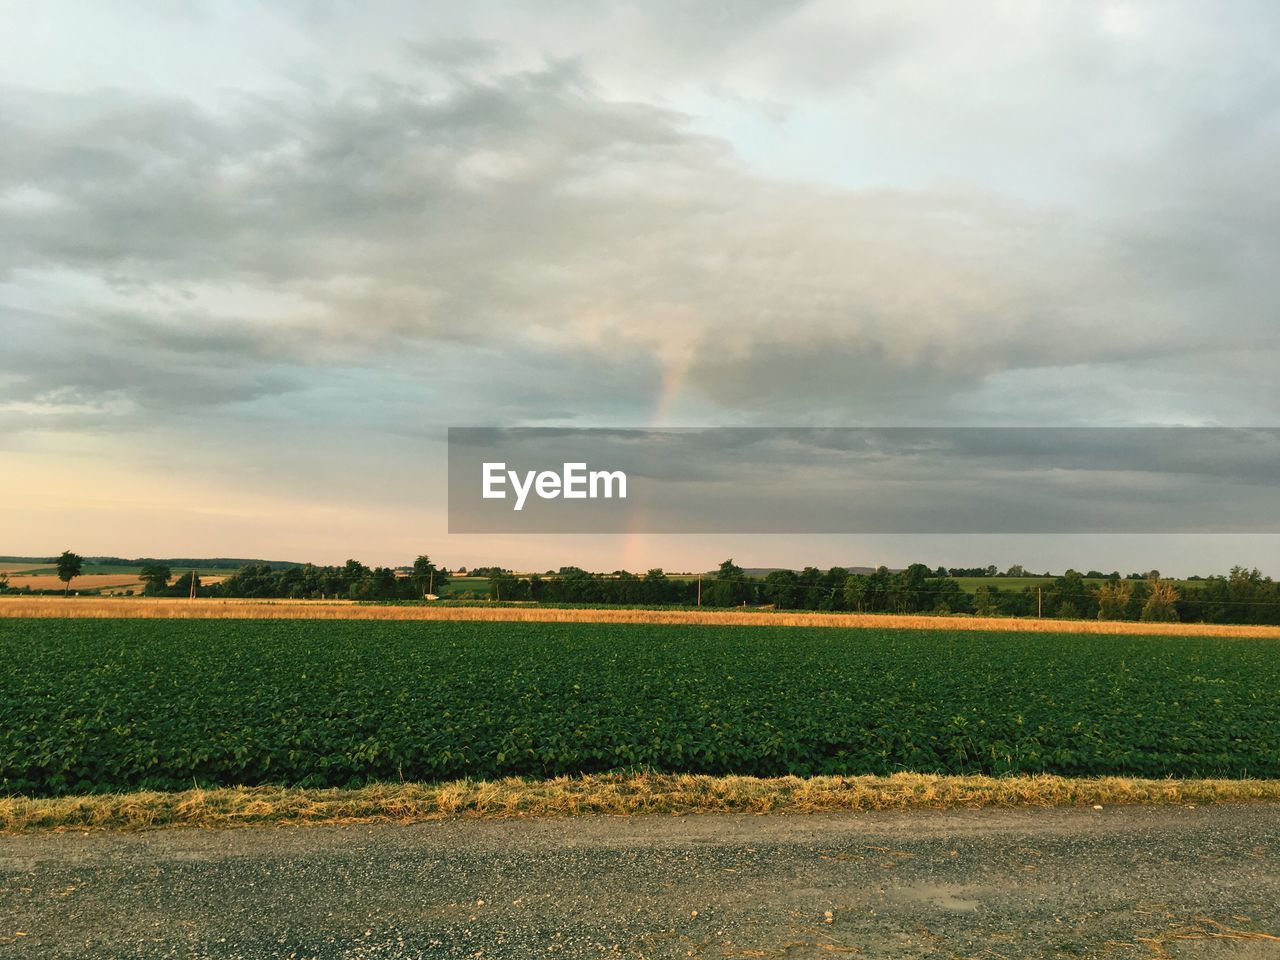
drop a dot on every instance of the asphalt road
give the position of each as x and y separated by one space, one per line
1123 882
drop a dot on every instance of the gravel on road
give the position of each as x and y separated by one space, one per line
1120 882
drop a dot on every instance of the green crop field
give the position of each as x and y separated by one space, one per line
94 705
460 588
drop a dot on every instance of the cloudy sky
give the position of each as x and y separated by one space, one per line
256 257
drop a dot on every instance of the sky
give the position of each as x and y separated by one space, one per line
256 258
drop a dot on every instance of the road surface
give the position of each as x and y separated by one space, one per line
1122 882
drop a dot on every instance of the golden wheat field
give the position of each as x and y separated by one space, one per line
88 581
347 610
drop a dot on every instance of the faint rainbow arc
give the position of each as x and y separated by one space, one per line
674 374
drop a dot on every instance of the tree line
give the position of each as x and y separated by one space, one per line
351 581
1242 596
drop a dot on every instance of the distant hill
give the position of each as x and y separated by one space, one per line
206 563
765 571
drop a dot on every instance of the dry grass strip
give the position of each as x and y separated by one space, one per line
105 607
616 795
1202 928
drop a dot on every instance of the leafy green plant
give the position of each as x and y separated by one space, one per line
99 705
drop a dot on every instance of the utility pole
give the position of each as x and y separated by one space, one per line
193 586
432 581
699 589
1039 604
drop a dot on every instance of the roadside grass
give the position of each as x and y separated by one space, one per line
1202 928
204 608
607 795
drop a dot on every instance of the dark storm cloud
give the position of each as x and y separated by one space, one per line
904 481
123 365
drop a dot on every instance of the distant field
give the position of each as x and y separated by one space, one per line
112 568
466 586
110 579
93 705
9 566
98 581
177 571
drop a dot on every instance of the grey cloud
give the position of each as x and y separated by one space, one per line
58 362
896 480
453 52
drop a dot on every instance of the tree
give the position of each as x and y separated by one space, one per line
949 597
1161 602
155 576
427 577
909 589
780 589
355 570
69 567
188 585
857 590
1067 596
656 587
383 583
832 593
1017 570
1113 599
502 586
729 588
984 601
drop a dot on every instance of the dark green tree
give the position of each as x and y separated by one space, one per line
69 567
909 589
188 585
729 588
427 577
155 578
1068 597
857 591
503 586
986 601
780 589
